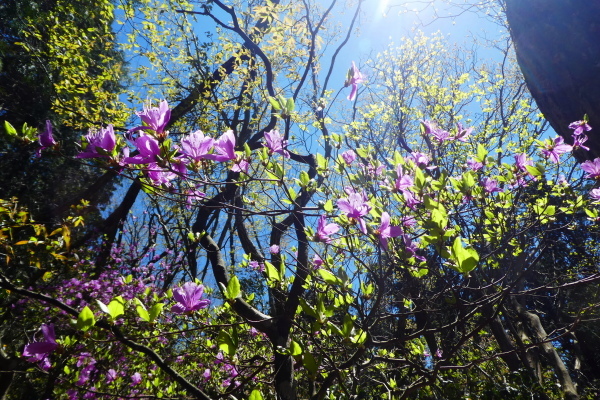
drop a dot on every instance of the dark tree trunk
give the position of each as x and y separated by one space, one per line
558 49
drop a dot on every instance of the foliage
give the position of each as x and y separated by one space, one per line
269 257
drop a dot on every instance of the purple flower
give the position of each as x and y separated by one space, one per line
160 176
45 139
206 374
324 230
420 159
462 133
255 265
386 231
555 148
317 262
241 166
99 143
579 140
274 249
411 248
595 195
353 78
403 182
410 200
224 148
39 351
579 127
189 298
349 156
355 206
155 119
592 168
474 165
276 143
136 379
432 129
111 375
196 146
148 148
490 185
522 162
192 196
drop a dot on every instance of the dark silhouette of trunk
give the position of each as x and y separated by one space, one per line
558 49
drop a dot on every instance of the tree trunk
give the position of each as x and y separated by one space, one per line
558 49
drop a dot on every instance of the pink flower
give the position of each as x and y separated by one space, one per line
403 182
99 143
555 148
148 148
224 148
349 156
490 185
386 231
432 129
353 78
324 230
189 298
111 375
355 206
45 139
579 127
136 379
196 146
595 195
276 143
274 249
39 351
522 162
420 159
474 165
317 261
592 168
462 134
579 140
156 119
241 166
255 265
159 176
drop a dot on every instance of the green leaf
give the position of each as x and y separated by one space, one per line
86 319
304 178
141 310
328 206
10 129
272 272
103 307
274 103
155 311
328 277
295 348
226 344
321 162
466 258
289 106
116 307
256 395
233 288
481 152
310 363
533 170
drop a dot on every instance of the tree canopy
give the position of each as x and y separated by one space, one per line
409 228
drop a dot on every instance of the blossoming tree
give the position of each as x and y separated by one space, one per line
277 259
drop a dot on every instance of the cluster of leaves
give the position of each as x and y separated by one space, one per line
374 265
